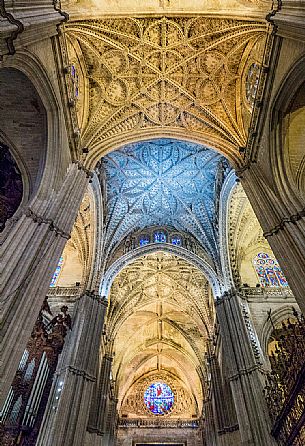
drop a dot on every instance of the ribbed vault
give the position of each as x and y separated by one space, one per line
178 76
165 182
159 318
246 237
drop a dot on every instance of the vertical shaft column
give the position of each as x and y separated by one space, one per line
98 413
66 418
29 256
244 374
112 416
209 423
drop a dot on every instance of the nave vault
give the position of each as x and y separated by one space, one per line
152 230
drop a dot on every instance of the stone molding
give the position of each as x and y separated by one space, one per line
243 372
228 429
284 222
82 373
80 166
14 34
52 226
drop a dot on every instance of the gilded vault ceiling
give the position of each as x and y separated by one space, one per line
164 182
152 75
160 317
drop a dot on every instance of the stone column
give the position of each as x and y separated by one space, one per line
98 412
283 226
209 423
111 423
66 418
221 405
243 373
29 255
216 386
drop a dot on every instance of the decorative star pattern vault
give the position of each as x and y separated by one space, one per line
164 182
177 73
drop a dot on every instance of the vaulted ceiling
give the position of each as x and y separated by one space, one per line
246 238
171 76
164 182
160 317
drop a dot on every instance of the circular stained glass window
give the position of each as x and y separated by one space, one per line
159 398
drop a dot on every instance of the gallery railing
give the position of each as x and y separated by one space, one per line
146 423
285 385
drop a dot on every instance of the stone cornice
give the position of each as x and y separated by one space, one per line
13 34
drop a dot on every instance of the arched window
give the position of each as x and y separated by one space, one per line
176 240
159 237
269 271
159 398
144 240
75 80
252 82
57 272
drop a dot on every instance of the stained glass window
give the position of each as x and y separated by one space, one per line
74 76
159 398
144 240
160 237
57 272
269 271
252 82
176 240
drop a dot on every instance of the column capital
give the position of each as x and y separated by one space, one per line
227 295
81 166
76 371
293 218
39 219
94 296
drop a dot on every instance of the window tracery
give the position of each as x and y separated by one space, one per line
57 272
160 237
159 398
176 240
269 272
144 240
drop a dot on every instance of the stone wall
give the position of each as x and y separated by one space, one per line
130 436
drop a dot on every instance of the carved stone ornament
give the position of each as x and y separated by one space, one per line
176 73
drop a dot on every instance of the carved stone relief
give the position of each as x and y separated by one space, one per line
163 72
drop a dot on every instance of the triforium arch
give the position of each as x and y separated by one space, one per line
29 65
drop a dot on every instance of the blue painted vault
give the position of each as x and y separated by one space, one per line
164 182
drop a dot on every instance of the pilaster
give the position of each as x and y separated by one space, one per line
98 413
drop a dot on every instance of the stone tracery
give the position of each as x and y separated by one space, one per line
164 72
164 182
